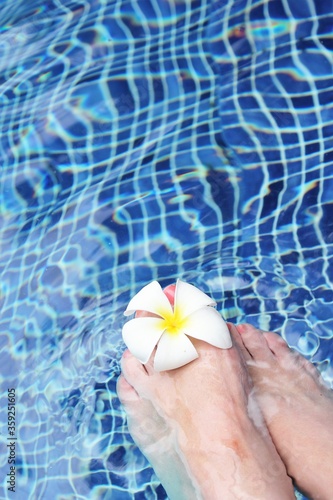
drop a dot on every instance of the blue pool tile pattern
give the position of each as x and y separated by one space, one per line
152 140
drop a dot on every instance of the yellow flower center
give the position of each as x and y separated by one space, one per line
172 323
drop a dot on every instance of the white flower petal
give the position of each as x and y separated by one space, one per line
174 351
208 325
141 336
150 298
188 298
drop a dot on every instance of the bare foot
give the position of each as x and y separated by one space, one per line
198 434
157 441
297 407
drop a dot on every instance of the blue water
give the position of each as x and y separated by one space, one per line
151 140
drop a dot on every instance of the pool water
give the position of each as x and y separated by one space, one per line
151 140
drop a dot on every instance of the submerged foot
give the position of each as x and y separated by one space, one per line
201 430
297 407
157 441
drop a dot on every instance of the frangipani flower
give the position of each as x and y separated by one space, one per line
169 327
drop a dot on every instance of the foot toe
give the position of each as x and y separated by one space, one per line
126 393
132 369
237 341
276 344
254 342
286 356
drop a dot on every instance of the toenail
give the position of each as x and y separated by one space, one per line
170 293
241 328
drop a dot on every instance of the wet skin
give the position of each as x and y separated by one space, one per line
201 427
